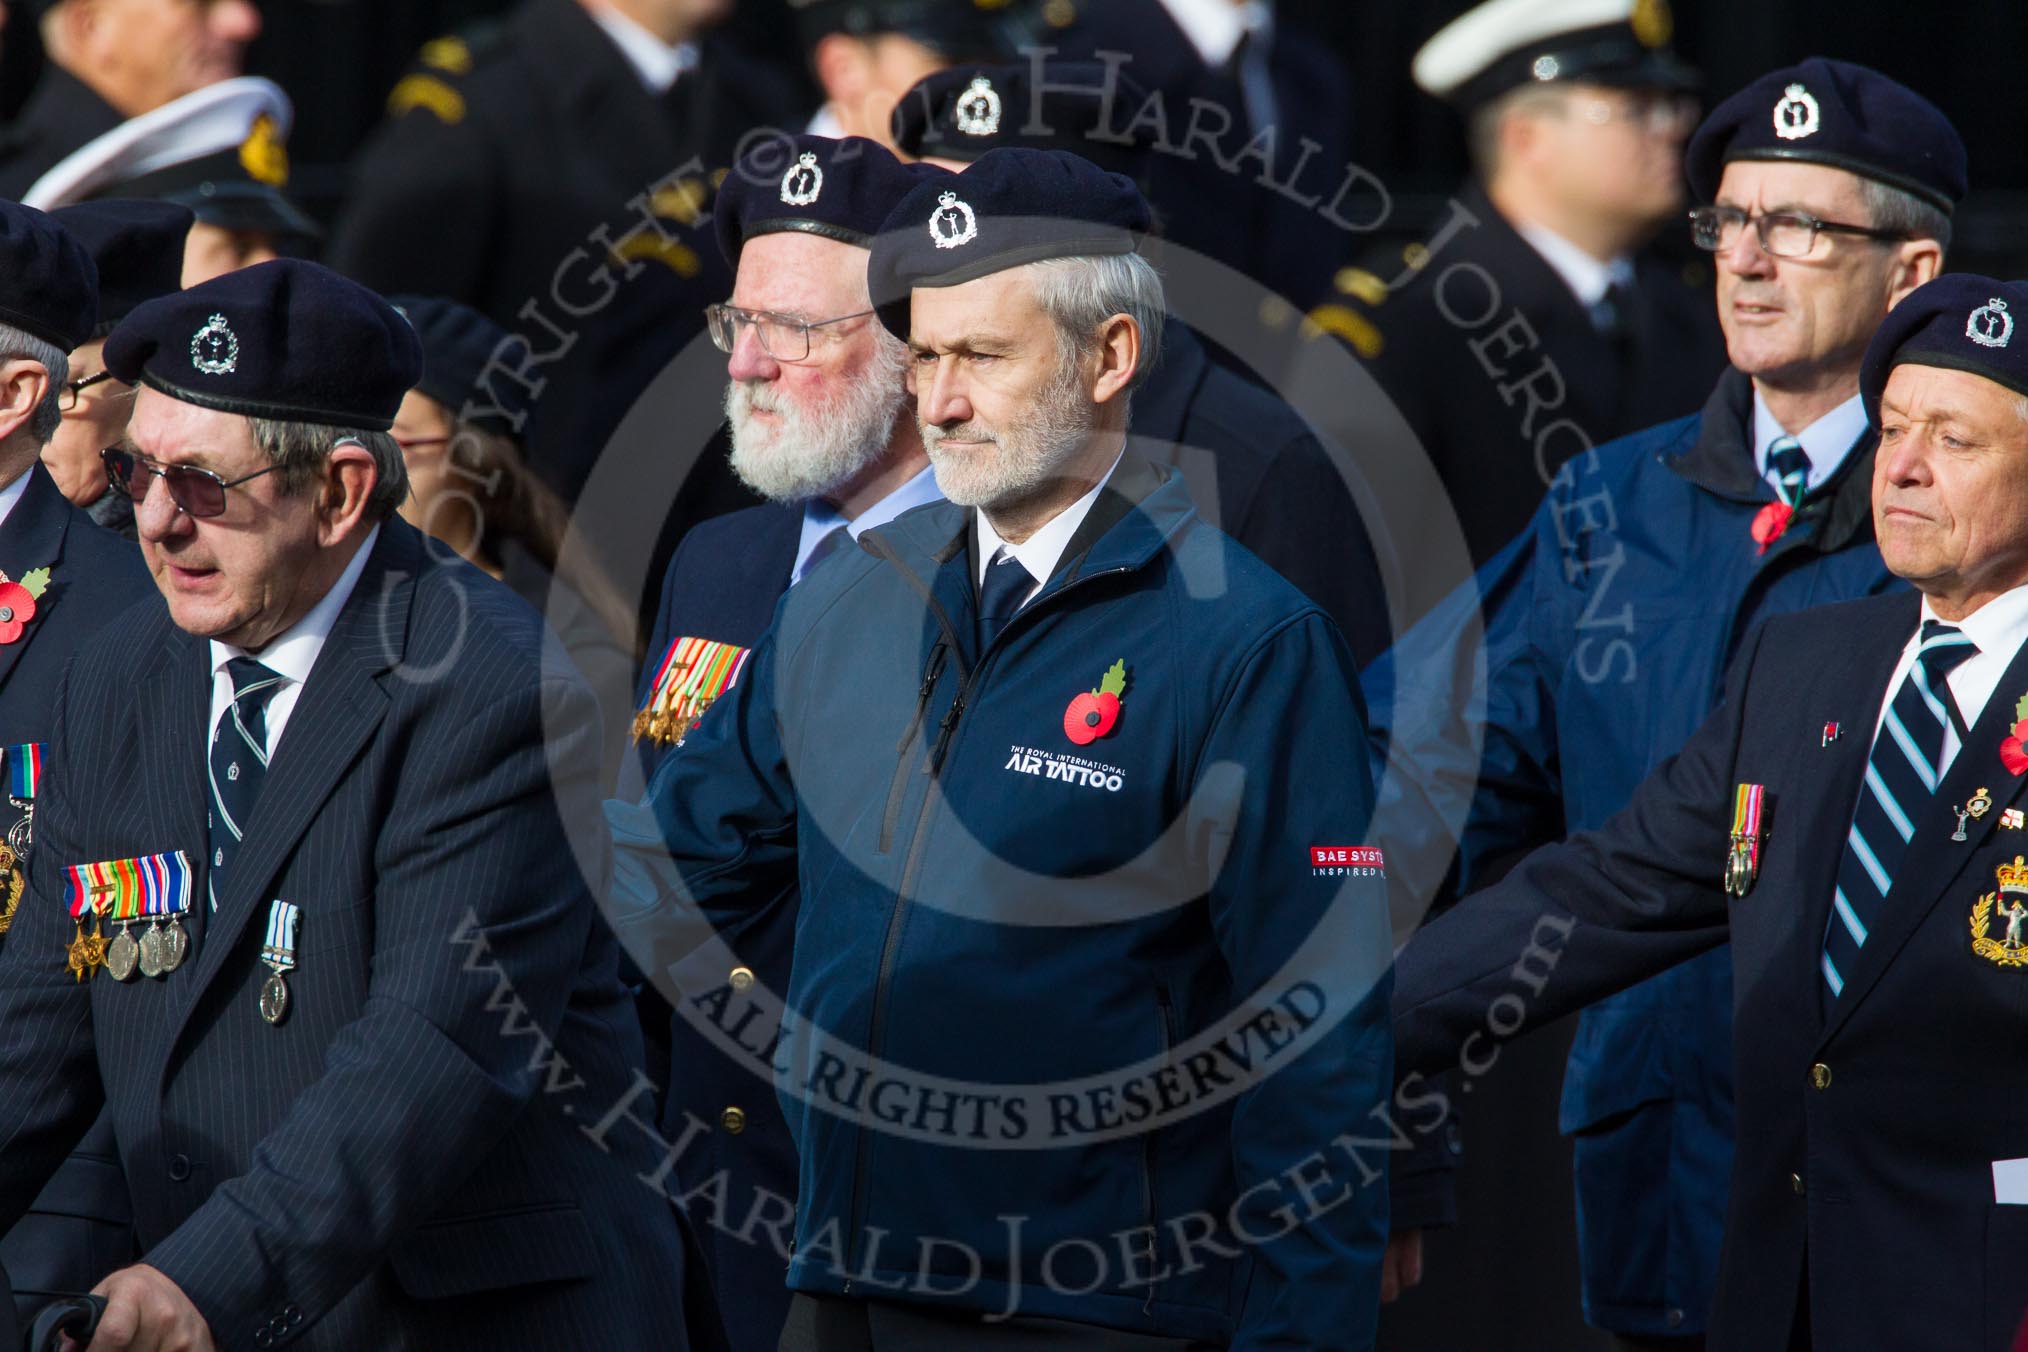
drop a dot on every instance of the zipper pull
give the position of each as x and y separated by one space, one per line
944 729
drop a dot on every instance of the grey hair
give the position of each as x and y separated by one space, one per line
20 345
301 449
1892 208
1080 294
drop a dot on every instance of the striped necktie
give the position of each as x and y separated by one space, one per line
239 761
1902 775
1791 464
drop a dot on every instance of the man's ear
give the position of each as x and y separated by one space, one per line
350 477
1119 357
24 384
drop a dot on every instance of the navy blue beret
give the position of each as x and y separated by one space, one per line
1960 321
840 189
1010 207
286 339
137 247
458 344
48 285
1834 113
1084 107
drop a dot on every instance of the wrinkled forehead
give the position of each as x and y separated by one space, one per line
797 273
1793 185
1002 311
167 429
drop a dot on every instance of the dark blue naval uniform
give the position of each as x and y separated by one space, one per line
1608 628
81 1227
870 739
1863 1211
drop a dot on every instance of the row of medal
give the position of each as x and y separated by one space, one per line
155 888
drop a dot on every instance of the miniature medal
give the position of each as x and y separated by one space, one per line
279 953
1742 859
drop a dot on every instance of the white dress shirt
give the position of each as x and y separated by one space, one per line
820 518
12 494
655 61
290 655
1587 277
1827 441
1042 551
1998 627
1214 27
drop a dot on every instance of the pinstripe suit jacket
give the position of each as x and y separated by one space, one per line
402 1161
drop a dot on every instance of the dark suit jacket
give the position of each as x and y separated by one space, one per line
81 1227
723 585
61 115
490 195
1862 1182
402 1162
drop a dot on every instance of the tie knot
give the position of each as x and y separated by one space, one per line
1942 648
1788 458
250 678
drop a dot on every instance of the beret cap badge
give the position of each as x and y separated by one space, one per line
1990 325
214 349
804 181
952 223
1797 115
978 111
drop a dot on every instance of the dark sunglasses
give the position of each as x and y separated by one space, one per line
196 492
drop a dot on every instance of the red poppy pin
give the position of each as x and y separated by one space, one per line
1092 714
2013 754
17 602
1769 523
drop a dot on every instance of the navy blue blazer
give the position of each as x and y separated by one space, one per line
723 585
81 1227
1862 1192
409 1159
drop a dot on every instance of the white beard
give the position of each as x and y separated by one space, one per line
811 452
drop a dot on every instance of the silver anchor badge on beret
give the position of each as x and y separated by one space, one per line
952 223
1796 116
214 349
1990 325
803 182
978 111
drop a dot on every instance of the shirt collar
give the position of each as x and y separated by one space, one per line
294 653
1998 627
1214 27
1827 441
820 518
11 494
1587 277
655 61
1042 551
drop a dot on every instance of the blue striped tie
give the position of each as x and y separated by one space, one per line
239 761
1791 464
1901 777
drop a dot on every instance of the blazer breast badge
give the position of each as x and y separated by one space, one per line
2008 903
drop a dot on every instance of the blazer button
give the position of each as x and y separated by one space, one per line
741 979
1820 1075
179 1168
1796 1182
263 1338
733 1120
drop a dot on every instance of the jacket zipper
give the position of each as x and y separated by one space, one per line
931 671
891 944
